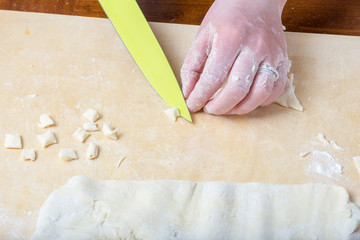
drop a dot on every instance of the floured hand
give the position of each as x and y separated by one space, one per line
235 39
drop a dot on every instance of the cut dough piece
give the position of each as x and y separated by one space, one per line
45 121
109 131
13 141
288 97
92 151
67 154
47 138
91 115
28 154
81 135
356 160
85 208
172 113
90 126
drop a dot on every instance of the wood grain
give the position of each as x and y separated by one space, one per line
313 16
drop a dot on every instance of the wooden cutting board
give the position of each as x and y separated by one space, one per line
76 63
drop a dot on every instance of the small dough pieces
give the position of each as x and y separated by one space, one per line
91 115
81 135
288 97
86 208
13 141
109 131
172 113
67 154
45 121
92 151
28 154
90 126
47 139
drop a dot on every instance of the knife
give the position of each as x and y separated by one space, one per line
136 34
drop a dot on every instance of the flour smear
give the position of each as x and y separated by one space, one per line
325 164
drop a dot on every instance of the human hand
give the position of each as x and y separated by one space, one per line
242 41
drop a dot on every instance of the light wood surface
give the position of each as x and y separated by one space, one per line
311 16
76 63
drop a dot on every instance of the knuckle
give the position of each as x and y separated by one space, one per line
184 69
240 89
184 73
187 74
231 32
188 67
260 44
214 78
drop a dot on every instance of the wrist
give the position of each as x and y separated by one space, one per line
278 5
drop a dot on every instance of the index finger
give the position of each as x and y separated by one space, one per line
194 62
216 70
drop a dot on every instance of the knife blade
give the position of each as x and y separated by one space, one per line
136 34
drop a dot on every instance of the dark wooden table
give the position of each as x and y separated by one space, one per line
315 16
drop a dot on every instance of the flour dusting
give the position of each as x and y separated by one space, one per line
321 137
325 164
31 96
14 226
336 146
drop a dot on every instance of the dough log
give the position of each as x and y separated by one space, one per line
85 208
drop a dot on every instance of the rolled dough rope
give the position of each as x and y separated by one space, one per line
13 141
86 208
